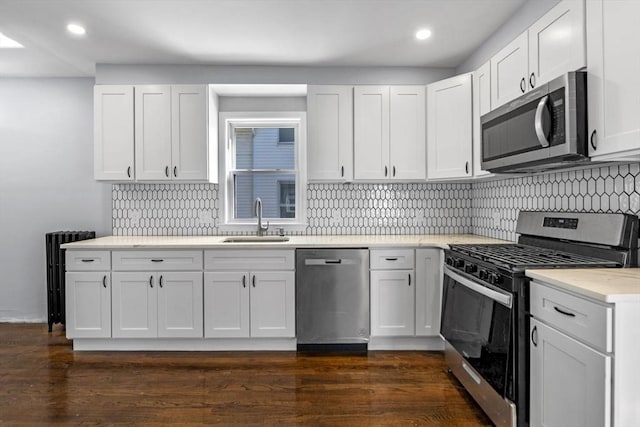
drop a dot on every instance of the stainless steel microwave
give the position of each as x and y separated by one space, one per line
541 130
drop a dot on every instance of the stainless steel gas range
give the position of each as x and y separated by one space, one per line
485 306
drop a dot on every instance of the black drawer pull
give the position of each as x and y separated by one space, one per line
391 259
88 260
566 313
157 260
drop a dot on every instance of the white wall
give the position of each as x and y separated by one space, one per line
46 184
226 74
522 19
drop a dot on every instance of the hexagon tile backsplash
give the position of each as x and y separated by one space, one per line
488 208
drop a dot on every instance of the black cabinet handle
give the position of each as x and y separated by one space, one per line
391 259
566 313
151 281
593 141
166 171
394 171
253 280
523 85
386 171
466 167
104 281
342 171
532 80
88 260
129 171
160 281
175 171
409 279
534 336
244 281
157 260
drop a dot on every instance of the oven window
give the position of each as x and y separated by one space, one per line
479 329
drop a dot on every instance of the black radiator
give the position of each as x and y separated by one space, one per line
56 270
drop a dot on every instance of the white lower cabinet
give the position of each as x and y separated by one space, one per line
428 290
570 382
88 304
157 304
257 302
392 303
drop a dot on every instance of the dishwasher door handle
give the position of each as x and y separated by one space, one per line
328 262
333 261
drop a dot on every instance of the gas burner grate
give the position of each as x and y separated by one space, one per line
522 256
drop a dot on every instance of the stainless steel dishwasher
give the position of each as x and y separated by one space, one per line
332 299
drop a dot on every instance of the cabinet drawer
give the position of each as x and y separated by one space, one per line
88 260
157 260
586 320
391 259
245 260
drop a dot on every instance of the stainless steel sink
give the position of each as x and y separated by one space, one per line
256 239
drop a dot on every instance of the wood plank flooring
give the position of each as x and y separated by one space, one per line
42 381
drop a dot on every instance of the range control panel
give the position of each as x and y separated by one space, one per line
570 223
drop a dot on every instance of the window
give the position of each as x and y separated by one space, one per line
262 158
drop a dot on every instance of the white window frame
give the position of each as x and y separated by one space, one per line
228 121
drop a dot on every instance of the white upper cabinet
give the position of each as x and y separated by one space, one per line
113 133
166 127
371 132
557 42
330 138
153 132
407 132
481 105
189 141
509 69
389 124
552 46
449 128
613 83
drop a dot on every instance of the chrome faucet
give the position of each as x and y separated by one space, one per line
258 210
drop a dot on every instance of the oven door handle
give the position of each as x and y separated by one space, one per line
500 297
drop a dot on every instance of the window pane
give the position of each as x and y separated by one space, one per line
277 192
261 148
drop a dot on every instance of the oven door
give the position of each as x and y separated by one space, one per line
477 322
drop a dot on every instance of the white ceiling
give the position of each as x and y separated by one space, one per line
243 32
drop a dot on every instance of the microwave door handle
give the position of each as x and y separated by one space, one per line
542 138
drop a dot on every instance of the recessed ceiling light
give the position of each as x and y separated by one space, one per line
6 42
76 29
423 34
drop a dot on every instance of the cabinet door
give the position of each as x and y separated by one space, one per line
88 305
135 305
180 304
371 132
449 128
614 88
509 69
330 138
481 106
392 303
273 304
570 382
557 43
153 132
428 291
189 142
226 304
407 132
113 133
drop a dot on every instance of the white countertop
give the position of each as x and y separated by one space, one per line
609 285
208 242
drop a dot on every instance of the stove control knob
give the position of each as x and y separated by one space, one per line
458 263
471 268
449 260
495 279
483 274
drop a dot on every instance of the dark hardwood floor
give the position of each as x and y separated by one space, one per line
42 381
